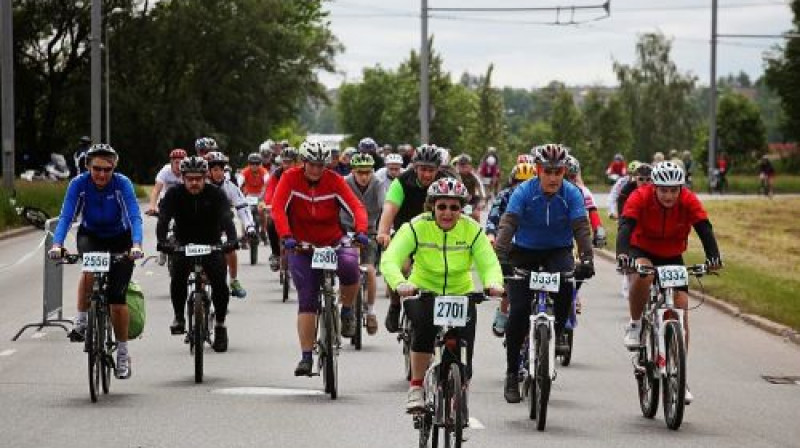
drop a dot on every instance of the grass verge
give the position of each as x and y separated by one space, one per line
760 243
738 183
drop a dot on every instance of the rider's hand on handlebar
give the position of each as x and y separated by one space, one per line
136 252
289 243
251 232
585 269
406 289
495 291
55 252
714 263
230 246
626 262
152 211
383 239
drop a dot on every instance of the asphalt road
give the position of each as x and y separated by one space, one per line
251 398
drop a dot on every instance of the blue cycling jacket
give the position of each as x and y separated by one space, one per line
545 222
105 213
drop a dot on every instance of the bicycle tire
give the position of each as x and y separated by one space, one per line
675 380
406 340
253 251
107 360
198 335
358 308
286 277
425 426
93 353
331 386
647 381
567 358
453 409
35 217
542 379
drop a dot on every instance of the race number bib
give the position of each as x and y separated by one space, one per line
252 201
545 281
450 311
673 276
197 250
324 258
96 261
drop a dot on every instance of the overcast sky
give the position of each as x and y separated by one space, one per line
528 53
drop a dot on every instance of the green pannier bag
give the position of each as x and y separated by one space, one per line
136 311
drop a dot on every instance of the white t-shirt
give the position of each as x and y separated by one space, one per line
168 178
383 178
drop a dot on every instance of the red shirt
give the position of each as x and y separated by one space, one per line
272 183
254 183
617 167
662 231
310 213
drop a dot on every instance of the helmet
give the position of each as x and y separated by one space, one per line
315 151
444 153
427 155
573 166
266 146
290 153
668 174
387 148
254 157
552 155
362 161
403 148
491 149
633 165
392 158
535 150
101 149
618 157
463 159
216 158
194 164
658 157
367 144
644 169
349 151
448 188
85 140
205 144
285 144
177 153
523 171
526 158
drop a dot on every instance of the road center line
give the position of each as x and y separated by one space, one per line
474 423
8 352
38 335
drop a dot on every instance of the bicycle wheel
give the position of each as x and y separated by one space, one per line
198 335
675 379
253 251
567 358
106 342
286 279
453 409
541 383
425 425
35 217
647 380
331 385
358 309
92 349
406 340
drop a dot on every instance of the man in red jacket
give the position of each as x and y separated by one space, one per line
305 209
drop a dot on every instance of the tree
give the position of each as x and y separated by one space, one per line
491 119
566 120
783 76
740 133
657 97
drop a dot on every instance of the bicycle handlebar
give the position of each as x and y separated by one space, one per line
522 274
68 258
474 297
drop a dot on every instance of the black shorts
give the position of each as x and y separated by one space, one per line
120 273
635 252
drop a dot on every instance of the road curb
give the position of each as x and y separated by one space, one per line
787 333
17 232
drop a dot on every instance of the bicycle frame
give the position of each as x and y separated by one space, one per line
542 314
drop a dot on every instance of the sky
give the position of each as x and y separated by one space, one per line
528 51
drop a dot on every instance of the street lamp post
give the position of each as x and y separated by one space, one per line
108 75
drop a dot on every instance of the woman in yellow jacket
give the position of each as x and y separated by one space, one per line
444 245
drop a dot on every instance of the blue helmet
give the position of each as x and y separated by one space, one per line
367 144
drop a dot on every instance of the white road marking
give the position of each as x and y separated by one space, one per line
38 335
148 273
474 423
266 391
8 352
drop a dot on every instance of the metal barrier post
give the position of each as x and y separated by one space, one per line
52 312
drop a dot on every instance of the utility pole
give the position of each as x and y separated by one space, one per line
424 85
7 75
107 52
96 69
712 122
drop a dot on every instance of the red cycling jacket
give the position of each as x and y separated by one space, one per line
662 231
309 212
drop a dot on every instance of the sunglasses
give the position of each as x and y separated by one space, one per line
102 169
188 179
451 207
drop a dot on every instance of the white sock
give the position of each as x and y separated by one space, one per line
371 309
122 347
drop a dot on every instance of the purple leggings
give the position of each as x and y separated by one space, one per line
307 280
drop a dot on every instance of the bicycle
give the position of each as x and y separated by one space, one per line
252 202
198 306
34 216
284 275
360 309
662 352
764 185
99 343
444 384
537 379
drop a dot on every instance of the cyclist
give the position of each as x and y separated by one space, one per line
216 176
393 169
640 176
520 173
167 177
468 177
766 174
445 244
289 158
368 190
405 199
340 164
616 169
489 170
204 145
254 183
202 213
544 216
306 208
368 146
613 195
110 222
79 157
653 231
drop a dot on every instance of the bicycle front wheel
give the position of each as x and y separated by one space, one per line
406 340
358 309
675 378
199 335
286 278
541 381
331 363
92 348
107 360
453 408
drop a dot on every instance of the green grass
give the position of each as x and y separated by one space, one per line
737 183
760 243
45 195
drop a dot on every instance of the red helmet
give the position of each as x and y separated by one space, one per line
177 153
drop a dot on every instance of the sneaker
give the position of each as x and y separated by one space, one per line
416 399
632 331
123 370
562 345
162 258
78 333
348 325
393 319
237 290
500 322
178 327
688 397
578 305
511 388
220 339
274 263
303 367
372 324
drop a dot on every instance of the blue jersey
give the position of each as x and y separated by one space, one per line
545 222
105 213
499 206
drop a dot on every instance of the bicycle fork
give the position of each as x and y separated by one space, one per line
549 321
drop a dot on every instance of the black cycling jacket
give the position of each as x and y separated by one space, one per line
199 219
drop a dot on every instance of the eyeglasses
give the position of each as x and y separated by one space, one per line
451 207
188 179
102 169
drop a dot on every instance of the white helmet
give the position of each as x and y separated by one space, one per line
315 151
668 174
393 158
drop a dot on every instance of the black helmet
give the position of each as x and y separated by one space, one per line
427 155
194 164
254 158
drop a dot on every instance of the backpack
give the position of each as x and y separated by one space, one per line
136 310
